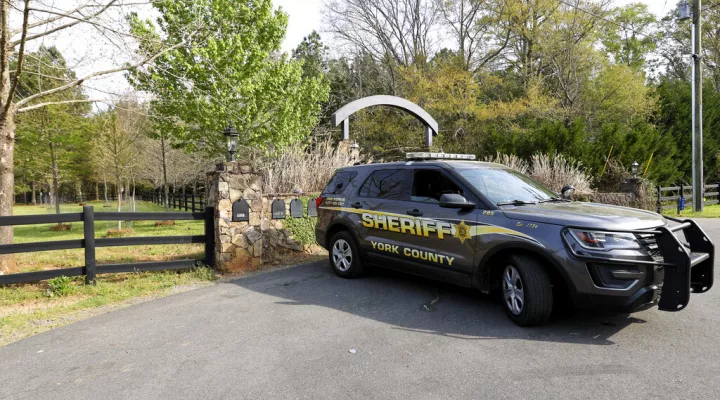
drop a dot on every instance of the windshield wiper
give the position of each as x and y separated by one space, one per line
516 203
555 199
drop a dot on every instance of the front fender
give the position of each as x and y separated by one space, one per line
482 274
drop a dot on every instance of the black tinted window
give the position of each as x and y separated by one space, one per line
384 184
430 184
340 182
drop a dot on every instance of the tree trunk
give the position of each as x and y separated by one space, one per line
164 168
107 203
97 191
119 193
54 168
7 179
32 188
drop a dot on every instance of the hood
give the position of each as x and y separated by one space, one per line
586 215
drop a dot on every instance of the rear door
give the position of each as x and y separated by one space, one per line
379 201
442 244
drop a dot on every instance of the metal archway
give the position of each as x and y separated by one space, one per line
342 116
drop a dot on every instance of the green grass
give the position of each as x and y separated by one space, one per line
28 262
26 310
712 211
32 308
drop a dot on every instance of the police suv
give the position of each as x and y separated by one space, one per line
487 226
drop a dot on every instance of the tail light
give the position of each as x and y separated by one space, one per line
319 201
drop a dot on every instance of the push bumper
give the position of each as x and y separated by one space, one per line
672 273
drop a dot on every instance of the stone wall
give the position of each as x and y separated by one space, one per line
242 246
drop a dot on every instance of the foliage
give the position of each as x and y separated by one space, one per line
60 286
556 171
203 273
304 167
226 72
302 229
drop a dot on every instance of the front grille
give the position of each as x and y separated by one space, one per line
649 243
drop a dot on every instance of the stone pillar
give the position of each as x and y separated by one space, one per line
238 245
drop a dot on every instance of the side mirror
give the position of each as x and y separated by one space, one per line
567 192
452 200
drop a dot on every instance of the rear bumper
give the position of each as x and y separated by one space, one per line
665 280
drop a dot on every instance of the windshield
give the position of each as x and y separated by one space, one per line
502 185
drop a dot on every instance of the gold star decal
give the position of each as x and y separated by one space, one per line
462 232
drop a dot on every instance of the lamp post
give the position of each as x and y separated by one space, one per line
697 147
634 168
232 136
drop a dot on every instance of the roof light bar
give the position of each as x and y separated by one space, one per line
422 155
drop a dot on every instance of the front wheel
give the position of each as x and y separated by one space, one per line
345 258
527 291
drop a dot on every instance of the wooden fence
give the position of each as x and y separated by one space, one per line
90 243
187 202
672 196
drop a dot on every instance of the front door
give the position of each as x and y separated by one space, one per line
443 243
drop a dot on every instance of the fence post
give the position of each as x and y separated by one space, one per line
659 203
89 244
185 200
193 202
210 237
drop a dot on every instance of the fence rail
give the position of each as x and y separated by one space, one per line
681 199
187 202
90 243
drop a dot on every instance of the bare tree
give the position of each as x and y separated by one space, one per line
400 29
21 25
479 29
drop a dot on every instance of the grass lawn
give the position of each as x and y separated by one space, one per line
29 262
26 310
33 308
711 211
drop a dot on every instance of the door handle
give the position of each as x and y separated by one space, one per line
415 213
357 205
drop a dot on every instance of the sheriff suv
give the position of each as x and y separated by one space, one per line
486 226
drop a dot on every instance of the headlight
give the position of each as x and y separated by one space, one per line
597 240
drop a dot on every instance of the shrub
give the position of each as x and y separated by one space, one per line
60 286
304 167
510 160
556 171
302 229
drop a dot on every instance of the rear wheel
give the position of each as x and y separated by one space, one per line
527 291
345 258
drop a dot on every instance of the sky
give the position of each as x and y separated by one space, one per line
85 56
305 16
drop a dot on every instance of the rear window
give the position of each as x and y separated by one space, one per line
384 184
339 182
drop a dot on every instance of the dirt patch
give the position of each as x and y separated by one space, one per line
165 223
113 233
61 227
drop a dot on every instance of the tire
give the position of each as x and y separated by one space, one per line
345 258
527 293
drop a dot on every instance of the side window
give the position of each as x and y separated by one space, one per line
430 184
384 184
339 182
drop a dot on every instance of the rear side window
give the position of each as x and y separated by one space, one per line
384 184
339 182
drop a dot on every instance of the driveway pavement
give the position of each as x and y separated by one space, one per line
289 333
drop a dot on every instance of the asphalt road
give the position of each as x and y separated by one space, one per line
288 333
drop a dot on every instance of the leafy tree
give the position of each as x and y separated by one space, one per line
229 73
631 35
54 136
